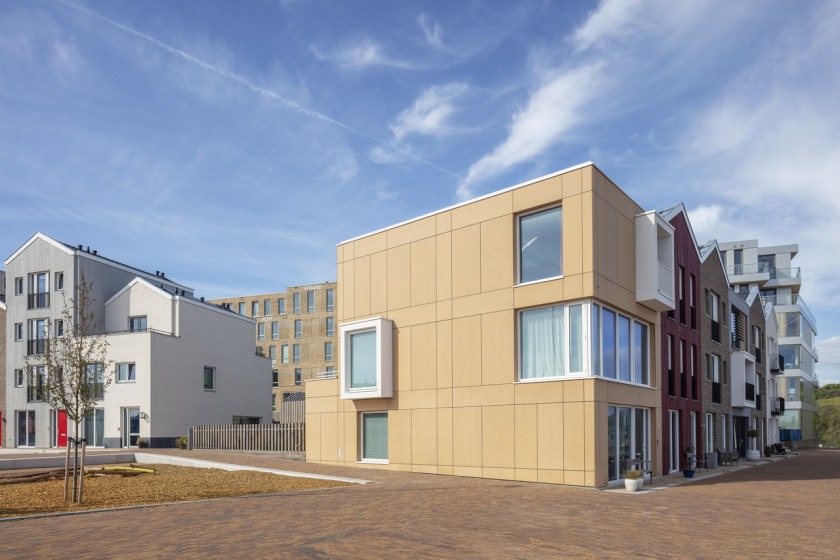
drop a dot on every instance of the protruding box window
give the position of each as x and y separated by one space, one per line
367 371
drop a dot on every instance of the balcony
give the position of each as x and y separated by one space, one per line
716 393
738 342
654 262
777 406
39 301
749 391
777 363
36 347
794 299
764 269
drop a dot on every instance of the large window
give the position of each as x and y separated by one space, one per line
541 245
281 306
298 328
260 331
330 326
374 428
296 303
328 351
266 307
242 308
275 330
39 287
582 339
255 308
284 354
296 353
366 354
330 300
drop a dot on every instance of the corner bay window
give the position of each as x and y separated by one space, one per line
582 339
367 355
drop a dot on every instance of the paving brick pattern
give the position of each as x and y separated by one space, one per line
784 509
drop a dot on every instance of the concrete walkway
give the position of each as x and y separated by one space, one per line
782 509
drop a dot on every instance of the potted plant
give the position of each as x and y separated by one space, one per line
633 480
690 459
753 454
768 450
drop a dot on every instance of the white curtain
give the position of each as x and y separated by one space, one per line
541 343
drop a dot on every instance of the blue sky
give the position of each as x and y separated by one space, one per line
233 144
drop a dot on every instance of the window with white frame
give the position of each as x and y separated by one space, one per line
540 245
260 331
209 378
582 339
330 300
284 354
18 332
95 380
366 359
275 330
298 376
296 303
374 437
59 281
275 378
255 308
19 286
330 326
19 378
58 328
296 353
710 432
298 328
272 354
242 308
266 307
310 302
126 372
328 351
281 306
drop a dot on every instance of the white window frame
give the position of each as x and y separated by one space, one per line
710 433
298 376
20 378
131 372
296 303
255 309
330 326
242 308
362 458
298 328
281 306
330 299
310 301
328 351
296 353
275 330
267 307
58 328
18 332
284 354
519 217
384 358
59 282
19 291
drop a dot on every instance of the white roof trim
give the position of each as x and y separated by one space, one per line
470 201
138 280
43 237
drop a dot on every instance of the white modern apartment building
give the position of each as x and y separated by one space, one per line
770 270
175 361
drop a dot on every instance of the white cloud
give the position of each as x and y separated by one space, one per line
611 18
553 109
431 31
828 369
430 113
363 53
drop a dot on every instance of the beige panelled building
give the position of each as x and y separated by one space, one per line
297 329
514 336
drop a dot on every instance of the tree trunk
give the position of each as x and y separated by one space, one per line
67 469
82 472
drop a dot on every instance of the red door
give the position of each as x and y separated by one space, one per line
62 429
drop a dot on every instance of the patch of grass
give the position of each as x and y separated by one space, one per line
833 401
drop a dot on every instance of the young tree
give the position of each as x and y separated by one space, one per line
70 369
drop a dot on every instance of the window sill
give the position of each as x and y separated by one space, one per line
209 390
541 280
372 462
129 381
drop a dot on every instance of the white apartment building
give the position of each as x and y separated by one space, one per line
175 361
770 270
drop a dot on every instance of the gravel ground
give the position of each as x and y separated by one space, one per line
168 484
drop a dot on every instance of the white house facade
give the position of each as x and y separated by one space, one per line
175 361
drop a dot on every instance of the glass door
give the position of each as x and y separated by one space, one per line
130 426
26 428
674 440
95 427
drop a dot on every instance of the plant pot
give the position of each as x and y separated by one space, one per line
753 455
633 484
688 473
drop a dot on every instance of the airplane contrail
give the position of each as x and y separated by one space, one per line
267 93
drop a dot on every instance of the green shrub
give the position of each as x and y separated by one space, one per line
182 442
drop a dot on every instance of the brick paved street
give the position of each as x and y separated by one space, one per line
785 509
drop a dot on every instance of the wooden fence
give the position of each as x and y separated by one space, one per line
287 434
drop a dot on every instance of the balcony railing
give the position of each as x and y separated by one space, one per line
36 347
737 342
777 363
749 389
666 279
39 301
777 406
716 393
763 268
792 299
